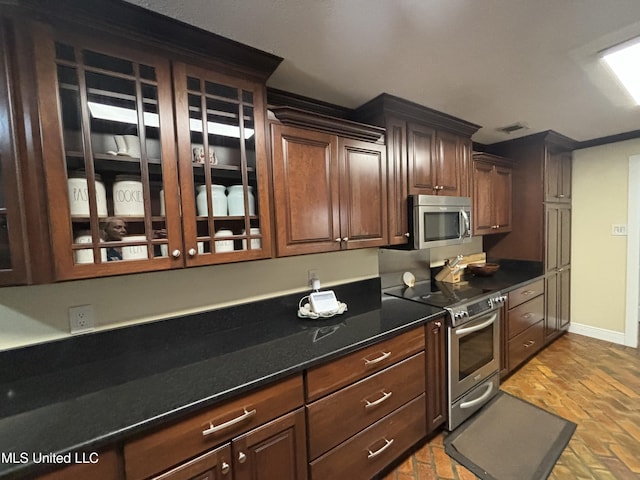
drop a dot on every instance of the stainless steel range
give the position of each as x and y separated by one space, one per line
473 328
473 338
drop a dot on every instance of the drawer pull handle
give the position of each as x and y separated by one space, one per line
527 315
225 468
387 444
530 343
385 395
526 293
216 428
382 357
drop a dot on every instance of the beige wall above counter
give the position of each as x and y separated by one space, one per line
39 313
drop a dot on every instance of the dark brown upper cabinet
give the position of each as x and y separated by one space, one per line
109 125
330 190
428 152
492 179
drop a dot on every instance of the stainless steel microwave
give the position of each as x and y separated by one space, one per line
440 220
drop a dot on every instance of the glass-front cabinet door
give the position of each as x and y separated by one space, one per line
222 158
110 163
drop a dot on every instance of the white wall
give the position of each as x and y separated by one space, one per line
35 314
598 259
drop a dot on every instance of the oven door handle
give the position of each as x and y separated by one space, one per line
480 399
463 331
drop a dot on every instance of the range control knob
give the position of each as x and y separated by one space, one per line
460 315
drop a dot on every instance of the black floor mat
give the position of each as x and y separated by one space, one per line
510 439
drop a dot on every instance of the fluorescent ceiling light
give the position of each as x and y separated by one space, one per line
624 61
127 115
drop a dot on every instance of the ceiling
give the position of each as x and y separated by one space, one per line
490 62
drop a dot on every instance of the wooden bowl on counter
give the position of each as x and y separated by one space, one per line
483 269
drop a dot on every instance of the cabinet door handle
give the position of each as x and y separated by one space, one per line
407 234
382 357
192 252
387 444
338 239
216 428
385 395
561 195
437 324
345 239
225 468
176 253
242 457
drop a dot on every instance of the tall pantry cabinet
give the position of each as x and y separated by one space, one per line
541 218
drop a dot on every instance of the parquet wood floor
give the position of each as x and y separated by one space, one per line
593 383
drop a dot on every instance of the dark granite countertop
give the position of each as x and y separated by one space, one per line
511 275
93 390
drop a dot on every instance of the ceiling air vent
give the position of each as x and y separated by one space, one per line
514 127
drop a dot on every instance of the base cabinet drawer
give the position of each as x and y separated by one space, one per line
368 452
526 344
357 365
524 315
363 403
525 293
170 446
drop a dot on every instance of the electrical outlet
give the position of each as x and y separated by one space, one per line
313 277
81 319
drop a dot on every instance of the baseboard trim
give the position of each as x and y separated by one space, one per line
598 333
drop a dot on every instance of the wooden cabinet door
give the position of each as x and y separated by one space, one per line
436 383
502 198
306 191
275 451
558 177
552 299
552 237
483 217
213 465
422 153
564 241
225 199
363 194
448 164
13 240
109 151
397 215
564 303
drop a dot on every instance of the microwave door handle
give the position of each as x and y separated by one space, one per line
467 224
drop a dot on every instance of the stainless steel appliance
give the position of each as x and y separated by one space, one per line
473 337
439 220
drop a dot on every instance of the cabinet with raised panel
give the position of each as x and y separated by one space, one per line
492 181
428 152
330 191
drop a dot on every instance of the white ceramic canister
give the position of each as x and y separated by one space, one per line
235 199
86 254
135 252
255 242
224 245
79 195
128 199
162 211
218 197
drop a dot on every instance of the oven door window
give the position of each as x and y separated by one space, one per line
475 351
441 226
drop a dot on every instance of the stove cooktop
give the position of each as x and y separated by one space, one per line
438 294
